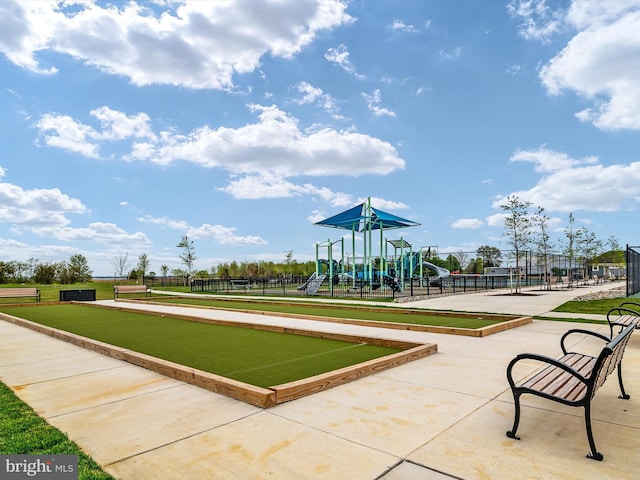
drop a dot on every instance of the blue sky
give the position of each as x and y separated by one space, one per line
126 125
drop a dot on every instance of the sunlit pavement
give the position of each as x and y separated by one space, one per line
439 417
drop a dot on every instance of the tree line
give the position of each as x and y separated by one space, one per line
526 231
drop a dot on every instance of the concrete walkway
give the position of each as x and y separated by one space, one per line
441 417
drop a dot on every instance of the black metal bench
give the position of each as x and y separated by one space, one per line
572 379
624 316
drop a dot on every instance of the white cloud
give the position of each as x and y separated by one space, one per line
569 185
399 25
314 95
223 235
373 102
106 233
165 221
450 55
192 44
37 207
274 145
467 223
340 57
217 233
384 204
539 21
496 220
546 160
600 63
64 132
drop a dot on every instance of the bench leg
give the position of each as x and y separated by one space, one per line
595 454
516 421
623 395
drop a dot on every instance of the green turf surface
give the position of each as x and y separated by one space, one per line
600 307
22 432
256 357
393 315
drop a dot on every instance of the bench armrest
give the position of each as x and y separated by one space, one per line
582 332
634 305
544 359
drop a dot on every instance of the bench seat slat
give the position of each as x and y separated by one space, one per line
626 320
561 384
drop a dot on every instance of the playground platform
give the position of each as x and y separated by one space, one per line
441 417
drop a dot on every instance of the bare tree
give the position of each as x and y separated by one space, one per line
517 226
463 259
121 264
143 265
188 255
542 242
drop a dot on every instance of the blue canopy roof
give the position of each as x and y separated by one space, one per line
363 217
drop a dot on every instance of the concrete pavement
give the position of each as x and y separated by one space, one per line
441 417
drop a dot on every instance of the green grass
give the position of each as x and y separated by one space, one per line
252 356
23 432
389 314
600 307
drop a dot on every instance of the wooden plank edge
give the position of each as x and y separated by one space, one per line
469 332
508 325
260 397
308 386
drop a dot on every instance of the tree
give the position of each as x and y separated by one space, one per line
452 263
517 226
45 273
143 265
588 247
462 260
78 269
542 242
491 256
572 238
617 251
121 264
188 255
164 269
288 255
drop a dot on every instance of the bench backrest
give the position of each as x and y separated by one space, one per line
610 357
26 291
130 288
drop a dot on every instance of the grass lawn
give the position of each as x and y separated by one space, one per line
256 357
388 314
22 431
600 307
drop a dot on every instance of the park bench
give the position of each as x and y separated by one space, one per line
20 292
240 284
624 316
120 289
572 379
567 282
554 281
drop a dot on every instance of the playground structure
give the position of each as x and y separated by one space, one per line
369 270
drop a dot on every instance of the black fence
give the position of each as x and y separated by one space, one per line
633 270
336 288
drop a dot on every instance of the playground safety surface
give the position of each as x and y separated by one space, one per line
443 416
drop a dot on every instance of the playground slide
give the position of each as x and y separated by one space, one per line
314 284
441 273
304 285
